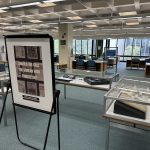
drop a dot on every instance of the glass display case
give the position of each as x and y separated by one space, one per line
129 100
86 78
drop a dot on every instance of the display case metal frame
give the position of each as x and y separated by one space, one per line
142 124
80 83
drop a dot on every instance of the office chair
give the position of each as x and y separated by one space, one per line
2 67
135 62
91 65
80 64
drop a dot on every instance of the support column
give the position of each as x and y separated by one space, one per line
65 43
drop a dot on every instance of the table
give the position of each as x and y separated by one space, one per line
100 65
79 82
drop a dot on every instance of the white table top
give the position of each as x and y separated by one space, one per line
81 83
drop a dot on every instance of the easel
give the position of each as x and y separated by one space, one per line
4 102
54 110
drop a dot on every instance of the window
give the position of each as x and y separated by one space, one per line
94 47
136 47
104 44
145 47
56 46
74 47
128 48
113 42
120 46
89 46
78 46
84 47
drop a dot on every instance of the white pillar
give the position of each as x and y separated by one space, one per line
65 43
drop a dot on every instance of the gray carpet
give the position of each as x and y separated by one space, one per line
81 124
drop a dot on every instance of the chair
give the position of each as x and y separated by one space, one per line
2 67
80 64
91 65
135 62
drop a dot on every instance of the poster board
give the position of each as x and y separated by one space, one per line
110 51
31 70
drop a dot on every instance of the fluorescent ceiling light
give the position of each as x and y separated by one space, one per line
24 5
34 29
4 8
53 23
70 22
89 22
130 13
48 4
54 30
132 23
136 33
100 20
111 29
134 28
91 25
4 23
35 21
127 18
74 18
117 33
2 11
52 1
88 30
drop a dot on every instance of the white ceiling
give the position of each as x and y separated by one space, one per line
102 13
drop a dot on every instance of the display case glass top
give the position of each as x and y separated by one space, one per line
83 73
131 89
85 78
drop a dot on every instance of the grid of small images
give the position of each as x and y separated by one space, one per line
29 68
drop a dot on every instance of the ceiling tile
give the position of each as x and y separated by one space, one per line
99 4
144 1
126 8
123 2
77 6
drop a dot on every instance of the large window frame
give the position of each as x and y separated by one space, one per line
82 47
143 47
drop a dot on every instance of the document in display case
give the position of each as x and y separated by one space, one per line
129 100
128 103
